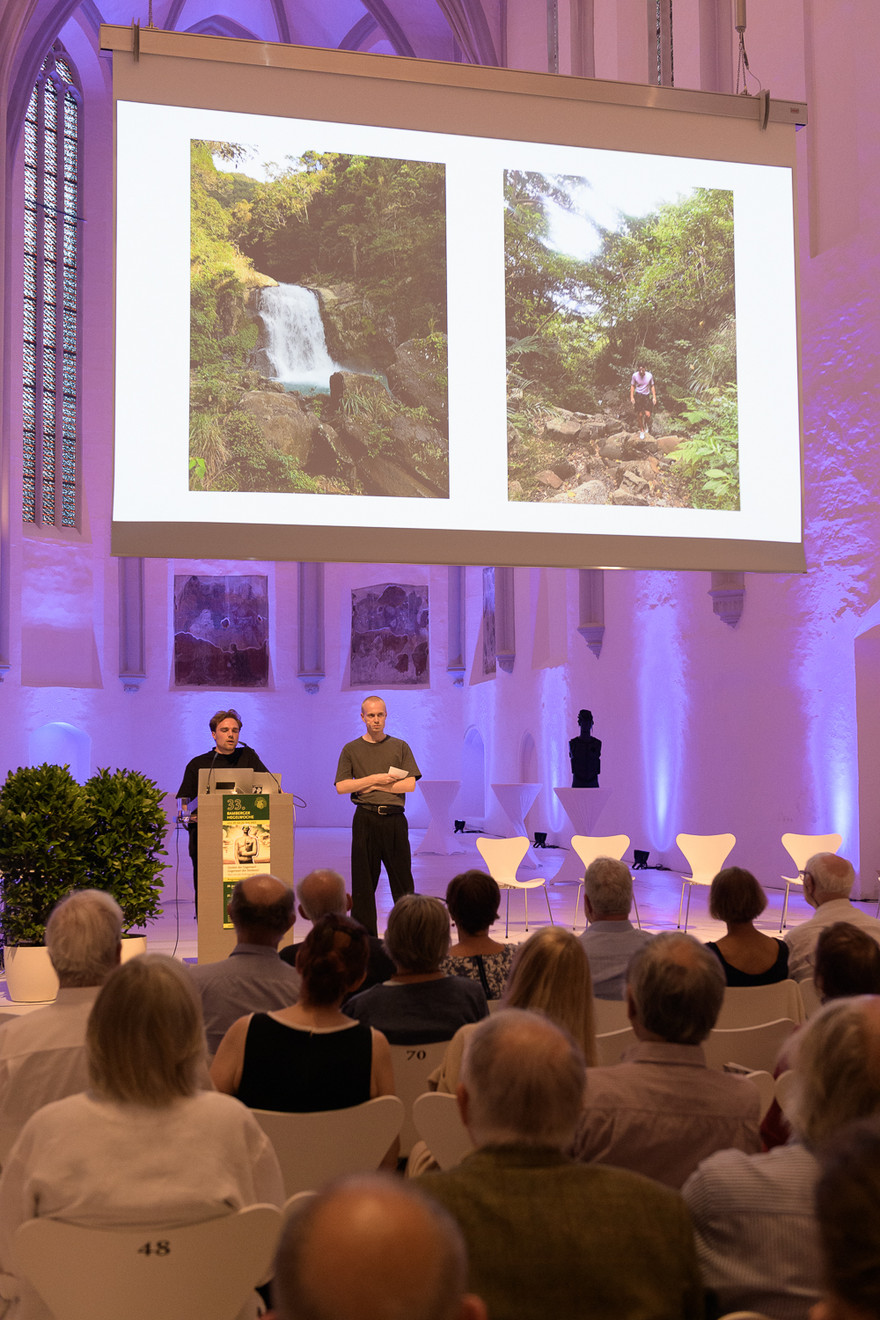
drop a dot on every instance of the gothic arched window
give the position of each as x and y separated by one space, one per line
51 280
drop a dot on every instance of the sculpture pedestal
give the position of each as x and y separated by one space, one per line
583 807
439 796
516 799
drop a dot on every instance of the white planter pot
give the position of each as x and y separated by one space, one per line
30 976
133 946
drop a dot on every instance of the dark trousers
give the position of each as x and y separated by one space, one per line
376 839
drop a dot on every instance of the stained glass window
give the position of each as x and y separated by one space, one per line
51 284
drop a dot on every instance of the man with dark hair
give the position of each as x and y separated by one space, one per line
225 726
42 1054
253 979
547 1237
372 1248
661 1109
322 894
610 939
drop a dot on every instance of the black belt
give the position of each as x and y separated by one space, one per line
381 808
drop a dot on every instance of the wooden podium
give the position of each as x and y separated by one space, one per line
214 940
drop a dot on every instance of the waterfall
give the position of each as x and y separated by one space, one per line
295 346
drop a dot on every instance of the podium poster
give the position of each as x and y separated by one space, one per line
246 841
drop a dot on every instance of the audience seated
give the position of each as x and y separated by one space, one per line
610 939
473 899
747 956
322 894
253 977
754 1215
144 1145
310 1056
828 881
372 1248
546 1236
848 1213
419 1003
661 1109
42 1054
551 975
847 963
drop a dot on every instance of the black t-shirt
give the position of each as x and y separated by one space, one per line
243 757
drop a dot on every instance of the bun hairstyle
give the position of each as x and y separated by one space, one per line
332 959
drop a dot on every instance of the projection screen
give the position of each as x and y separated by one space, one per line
535 236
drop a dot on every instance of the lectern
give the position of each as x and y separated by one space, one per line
240 834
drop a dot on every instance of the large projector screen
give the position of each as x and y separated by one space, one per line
388 310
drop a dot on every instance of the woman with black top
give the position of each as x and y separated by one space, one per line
747 956
310 1056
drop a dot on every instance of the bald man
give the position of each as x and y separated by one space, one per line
372 1248
253 979
828 882
661 1109
322 893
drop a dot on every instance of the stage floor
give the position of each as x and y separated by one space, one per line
657 893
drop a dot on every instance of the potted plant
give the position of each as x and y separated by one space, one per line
44 832
125 845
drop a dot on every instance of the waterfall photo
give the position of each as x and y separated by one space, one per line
621 337
318 351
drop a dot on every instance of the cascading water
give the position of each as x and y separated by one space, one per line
295 347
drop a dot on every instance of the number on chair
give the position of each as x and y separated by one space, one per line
414 1054
162 1247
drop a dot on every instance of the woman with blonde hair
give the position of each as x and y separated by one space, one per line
550 974
145 1145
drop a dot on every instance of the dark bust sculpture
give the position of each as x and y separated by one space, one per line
585 754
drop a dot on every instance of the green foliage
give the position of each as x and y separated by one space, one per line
57 836
708 462
374 411
251 464
44 831
127 831
660 288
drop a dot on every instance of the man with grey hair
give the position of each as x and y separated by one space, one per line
546 1236
42 1054
610 939
828 882
660 1110
253 979
322 894
394 1253
754 1215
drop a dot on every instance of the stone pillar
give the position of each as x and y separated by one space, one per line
591 607
132 643
310 634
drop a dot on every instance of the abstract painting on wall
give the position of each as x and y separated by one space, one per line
221 631
389 636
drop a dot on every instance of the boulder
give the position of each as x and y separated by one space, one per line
560 425
667 444
343 384
418 376
353 329
627 497
284 421
589 492
420 446
615 446
549 479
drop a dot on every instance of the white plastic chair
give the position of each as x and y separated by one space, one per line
412 1066
313 1148
705 854
609 1015
612 1045
438 1123
206 1269
750 1005
800 848
502 857
590 846
756 1048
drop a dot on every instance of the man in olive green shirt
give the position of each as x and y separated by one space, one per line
546 1236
